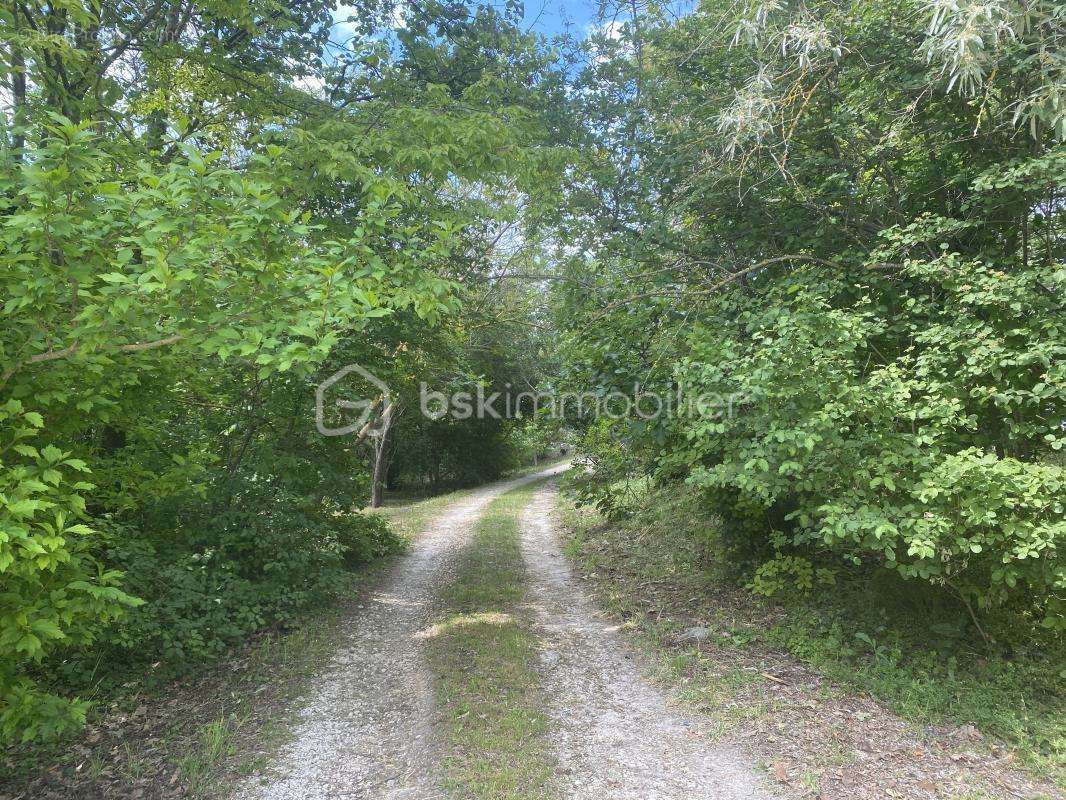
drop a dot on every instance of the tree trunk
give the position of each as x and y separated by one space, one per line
380 447
18 92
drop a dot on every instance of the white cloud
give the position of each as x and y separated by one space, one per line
342 31
610 28
613 30
398 17
312 84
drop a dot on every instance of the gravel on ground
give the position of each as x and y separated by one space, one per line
616 736
367 730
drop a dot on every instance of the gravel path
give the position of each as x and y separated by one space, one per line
366 733
615 736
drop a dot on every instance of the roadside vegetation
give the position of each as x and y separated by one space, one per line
197 735
854 259
837 229
205 212
665 571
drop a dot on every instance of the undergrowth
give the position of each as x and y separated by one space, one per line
915 649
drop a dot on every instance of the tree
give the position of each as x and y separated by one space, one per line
833 210
203 208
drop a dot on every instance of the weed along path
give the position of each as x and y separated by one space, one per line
480 670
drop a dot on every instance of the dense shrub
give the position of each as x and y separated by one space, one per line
364 538
54 592
910 424
208 585
265 560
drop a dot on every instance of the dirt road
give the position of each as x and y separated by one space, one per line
368 730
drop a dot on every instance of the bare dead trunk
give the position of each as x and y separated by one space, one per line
380 448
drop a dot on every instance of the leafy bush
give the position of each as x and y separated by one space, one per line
264 560
890 429
54 593
820 225
364 538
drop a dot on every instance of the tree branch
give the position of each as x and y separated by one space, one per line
69 350
719 284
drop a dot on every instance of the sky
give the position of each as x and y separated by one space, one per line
578 18
549 17
552 16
